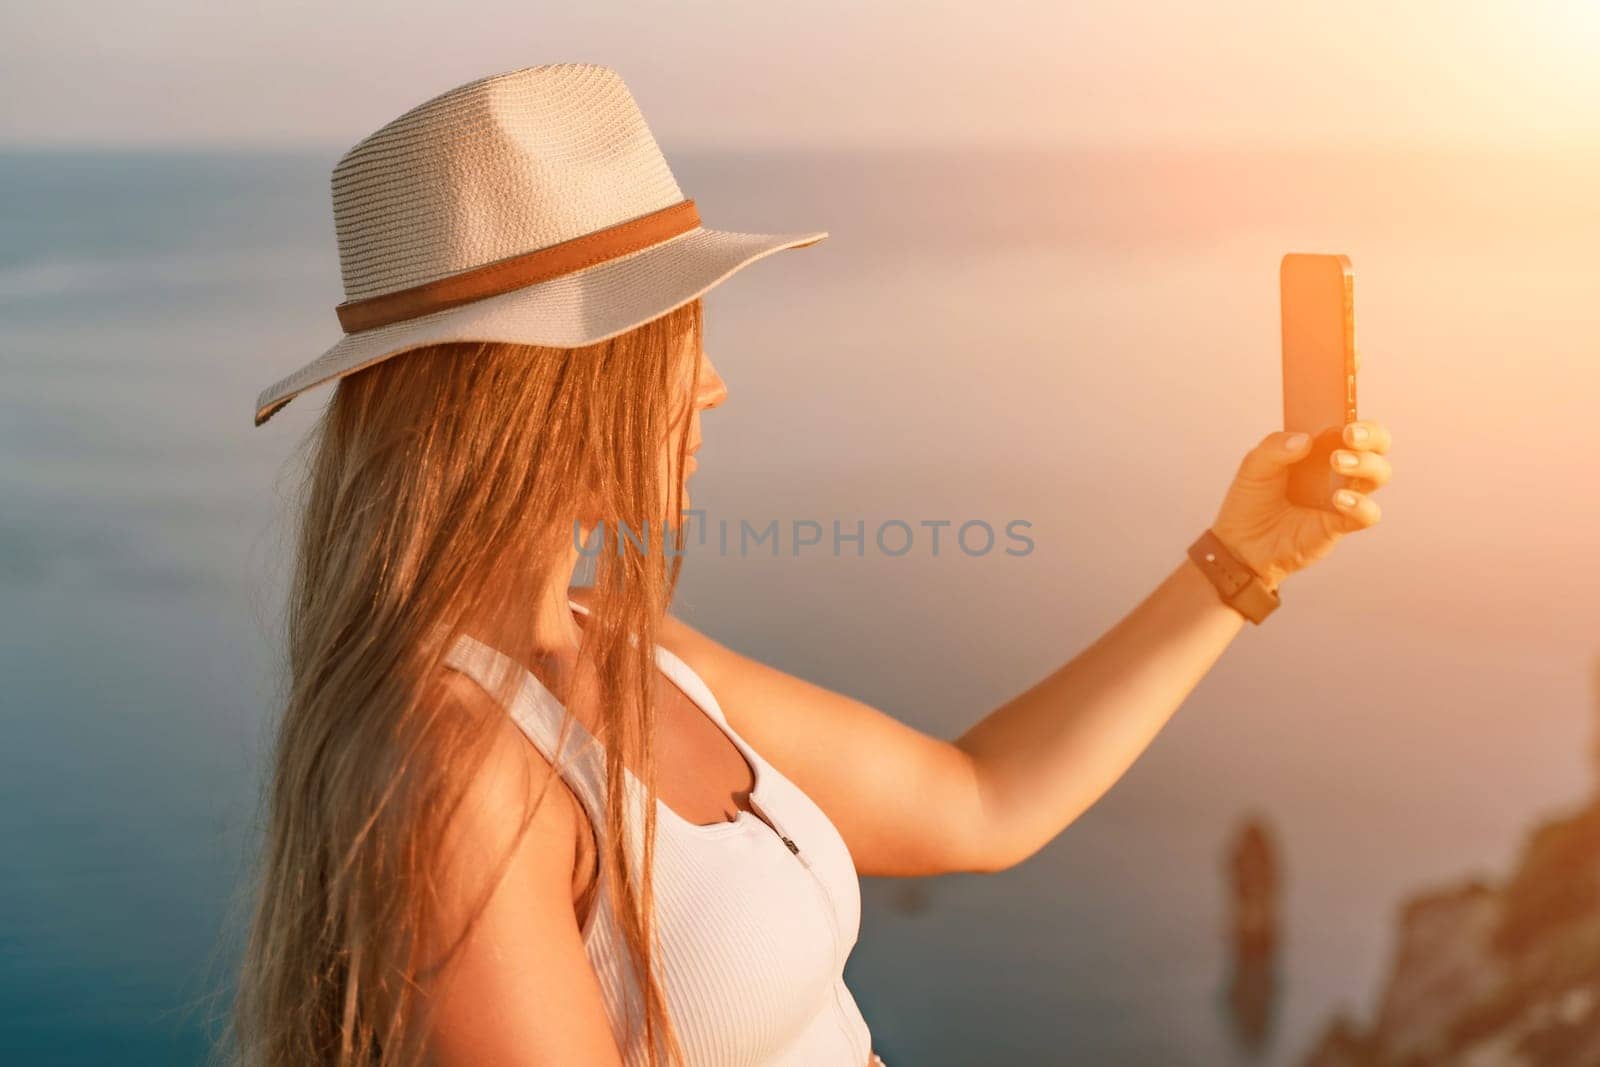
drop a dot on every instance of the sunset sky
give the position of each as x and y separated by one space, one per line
194 72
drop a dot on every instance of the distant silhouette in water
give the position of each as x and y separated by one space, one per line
911 898
1252 871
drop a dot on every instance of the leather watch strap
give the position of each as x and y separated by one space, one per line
1240 587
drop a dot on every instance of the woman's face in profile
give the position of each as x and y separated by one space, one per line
710 392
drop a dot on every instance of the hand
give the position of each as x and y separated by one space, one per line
1277 538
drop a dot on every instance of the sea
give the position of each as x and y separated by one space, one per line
1080 340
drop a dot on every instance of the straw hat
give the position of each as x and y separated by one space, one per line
532 207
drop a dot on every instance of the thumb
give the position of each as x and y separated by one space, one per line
1275 452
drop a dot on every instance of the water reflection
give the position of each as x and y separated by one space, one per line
911 898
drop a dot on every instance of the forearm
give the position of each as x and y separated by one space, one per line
1044 757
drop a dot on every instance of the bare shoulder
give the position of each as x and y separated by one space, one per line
705 654
501 795
517 985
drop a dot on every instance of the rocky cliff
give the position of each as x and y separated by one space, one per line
1490 975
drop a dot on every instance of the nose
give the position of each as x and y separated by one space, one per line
713 390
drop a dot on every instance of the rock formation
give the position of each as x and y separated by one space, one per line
1491 975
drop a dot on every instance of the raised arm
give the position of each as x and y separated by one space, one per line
907 803
1044 757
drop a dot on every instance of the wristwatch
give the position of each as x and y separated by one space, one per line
1240 586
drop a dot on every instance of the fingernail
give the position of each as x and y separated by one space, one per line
1295 442
1345 498
1356 434
1348 459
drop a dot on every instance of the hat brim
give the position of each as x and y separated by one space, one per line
566 312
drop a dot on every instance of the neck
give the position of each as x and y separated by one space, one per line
554 630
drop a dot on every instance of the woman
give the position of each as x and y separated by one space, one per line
668 871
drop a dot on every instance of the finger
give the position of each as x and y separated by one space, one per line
1275 452
1367 466
1357 509
1368 435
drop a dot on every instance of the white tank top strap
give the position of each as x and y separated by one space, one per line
579 758
688 679
755 926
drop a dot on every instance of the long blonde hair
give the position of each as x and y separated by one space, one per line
429 472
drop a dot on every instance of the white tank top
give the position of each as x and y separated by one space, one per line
754 930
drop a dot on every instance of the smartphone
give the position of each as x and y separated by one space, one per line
1317 295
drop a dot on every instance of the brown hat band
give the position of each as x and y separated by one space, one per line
519 272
